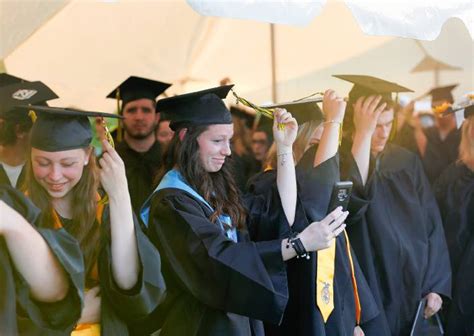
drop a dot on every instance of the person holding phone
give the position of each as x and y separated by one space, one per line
349 300
219 281
397 232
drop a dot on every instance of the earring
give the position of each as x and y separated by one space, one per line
85 163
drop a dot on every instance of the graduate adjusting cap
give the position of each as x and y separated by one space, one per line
134 88
58 129
302 110
442 94
6 79
368 86
23 93
197 108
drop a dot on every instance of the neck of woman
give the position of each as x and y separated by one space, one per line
63 206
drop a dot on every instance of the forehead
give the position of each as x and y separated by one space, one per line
220 130
165 124
143 102
259 135
386 116
61 155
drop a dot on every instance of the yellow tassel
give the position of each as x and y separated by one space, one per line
119 108
32 115
259 110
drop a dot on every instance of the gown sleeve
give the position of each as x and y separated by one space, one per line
362 195
61 315
7 294
437 278
138 302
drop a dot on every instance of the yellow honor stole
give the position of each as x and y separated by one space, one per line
325 280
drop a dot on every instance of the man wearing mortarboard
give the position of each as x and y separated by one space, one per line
139 149
397 235
438 145
15 124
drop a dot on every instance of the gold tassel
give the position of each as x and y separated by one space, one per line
32 115
119 108
259 110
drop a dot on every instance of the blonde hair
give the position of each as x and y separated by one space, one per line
466 147
305 132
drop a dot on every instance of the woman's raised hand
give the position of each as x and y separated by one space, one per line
285 136
334 107
112 171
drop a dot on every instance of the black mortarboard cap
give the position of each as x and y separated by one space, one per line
302 110
134 88
442 93
368 86
23 93
58 129
197 108
7 79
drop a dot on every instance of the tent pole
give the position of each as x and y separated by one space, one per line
273 62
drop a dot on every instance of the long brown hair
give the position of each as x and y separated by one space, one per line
84 207
466 147
217 188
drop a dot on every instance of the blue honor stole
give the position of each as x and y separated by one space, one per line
174 179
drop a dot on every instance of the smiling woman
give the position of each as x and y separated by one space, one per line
122 285
59 172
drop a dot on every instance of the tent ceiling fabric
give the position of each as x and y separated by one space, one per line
290 12
87 48
19 19
421 19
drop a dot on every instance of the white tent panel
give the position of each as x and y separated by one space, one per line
20 18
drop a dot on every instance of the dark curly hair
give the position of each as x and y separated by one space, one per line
217 188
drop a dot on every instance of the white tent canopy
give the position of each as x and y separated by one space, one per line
84 49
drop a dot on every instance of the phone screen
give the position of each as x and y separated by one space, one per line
341 193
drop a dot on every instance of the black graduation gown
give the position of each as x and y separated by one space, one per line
454 191
302 316
396 231
141 169
405 138
439 154
7 293
5 180
21 314
244 167
214 285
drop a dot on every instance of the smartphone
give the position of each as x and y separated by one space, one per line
341 193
